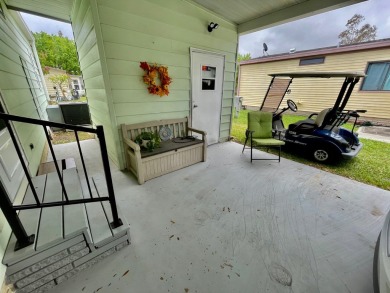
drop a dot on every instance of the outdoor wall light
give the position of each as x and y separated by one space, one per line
212 26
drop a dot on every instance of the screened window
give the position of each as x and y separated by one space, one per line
311 61
378 77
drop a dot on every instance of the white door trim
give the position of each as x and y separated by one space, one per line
196 50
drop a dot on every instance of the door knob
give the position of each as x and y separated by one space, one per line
195 106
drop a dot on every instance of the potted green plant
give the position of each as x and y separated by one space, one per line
148 140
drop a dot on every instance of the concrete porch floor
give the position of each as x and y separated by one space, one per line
227 225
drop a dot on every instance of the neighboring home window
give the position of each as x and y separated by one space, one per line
311 61
76 84
378 77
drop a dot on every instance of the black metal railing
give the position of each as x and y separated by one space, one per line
10 210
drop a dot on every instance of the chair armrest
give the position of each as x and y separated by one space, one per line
313 114
204 133
132 144
249 133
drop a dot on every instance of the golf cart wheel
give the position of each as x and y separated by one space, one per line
323 154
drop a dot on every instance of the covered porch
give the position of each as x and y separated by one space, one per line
227 225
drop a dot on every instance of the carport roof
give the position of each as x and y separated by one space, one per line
248 15
318 74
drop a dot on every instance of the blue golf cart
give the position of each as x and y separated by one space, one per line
321 135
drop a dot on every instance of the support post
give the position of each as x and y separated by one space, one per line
106 166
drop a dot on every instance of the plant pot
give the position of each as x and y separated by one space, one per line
145 143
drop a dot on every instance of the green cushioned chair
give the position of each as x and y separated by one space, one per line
260 134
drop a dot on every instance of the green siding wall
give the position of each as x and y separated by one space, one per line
16 94
93 73
16 91
112 37
161 32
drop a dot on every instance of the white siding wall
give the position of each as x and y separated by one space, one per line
113 37
17 97
91 66
17 92
160 32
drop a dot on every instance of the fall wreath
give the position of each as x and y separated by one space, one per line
153 72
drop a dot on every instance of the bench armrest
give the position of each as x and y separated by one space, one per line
204 133
132 144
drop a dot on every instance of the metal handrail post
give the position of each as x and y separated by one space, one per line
110 188
13 220
83 163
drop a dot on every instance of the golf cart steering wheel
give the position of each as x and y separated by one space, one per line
292 106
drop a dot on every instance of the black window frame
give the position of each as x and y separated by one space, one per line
312 61
384 80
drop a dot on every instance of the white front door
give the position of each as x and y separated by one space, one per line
11 171
207 81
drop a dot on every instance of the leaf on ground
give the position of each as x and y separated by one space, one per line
125 273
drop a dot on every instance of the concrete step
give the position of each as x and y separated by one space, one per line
54 225
68 238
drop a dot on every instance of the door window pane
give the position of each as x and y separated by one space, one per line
208 77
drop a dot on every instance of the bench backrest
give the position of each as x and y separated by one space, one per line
177 126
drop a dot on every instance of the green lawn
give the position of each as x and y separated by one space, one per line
371 166
60 137
82 99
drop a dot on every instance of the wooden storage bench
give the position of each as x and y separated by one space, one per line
173 154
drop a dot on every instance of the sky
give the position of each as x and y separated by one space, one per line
317 31
38 24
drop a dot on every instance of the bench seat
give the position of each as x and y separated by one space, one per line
172 154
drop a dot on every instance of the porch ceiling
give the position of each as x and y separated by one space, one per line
253 15
249 15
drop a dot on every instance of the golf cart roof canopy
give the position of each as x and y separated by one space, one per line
318 74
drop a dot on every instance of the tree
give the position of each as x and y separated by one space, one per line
60 80
355 34
57 51
241 57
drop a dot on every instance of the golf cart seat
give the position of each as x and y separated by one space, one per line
309 124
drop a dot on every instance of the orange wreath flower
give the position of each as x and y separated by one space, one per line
152 72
